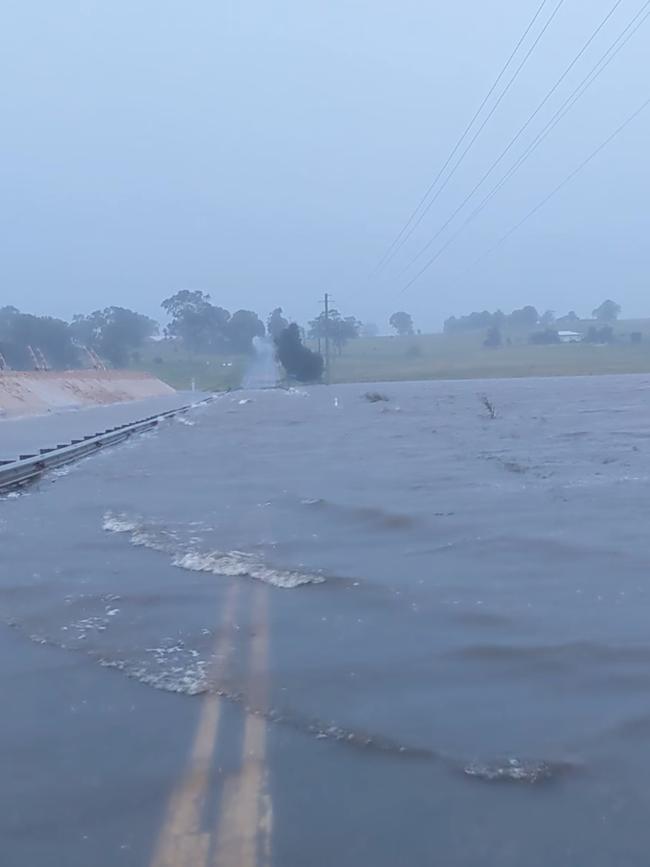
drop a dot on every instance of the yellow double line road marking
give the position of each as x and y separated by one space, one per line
182 842
244 823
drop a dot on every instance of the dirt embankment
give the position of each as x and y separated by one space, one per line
32 393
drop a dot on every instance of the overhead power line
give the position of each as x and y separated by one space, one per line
389 252
566 181
619 43
512 141
443 186
553 192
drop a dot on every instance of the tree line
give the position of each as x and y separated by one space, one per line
28 341
527 317
115 334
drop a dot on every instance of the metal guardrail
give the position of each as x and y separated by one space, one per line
29 467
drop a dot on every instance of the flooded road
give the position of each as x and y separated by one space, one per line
304 627
23 434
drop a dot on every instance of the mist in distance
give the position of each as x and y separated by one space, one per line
265 154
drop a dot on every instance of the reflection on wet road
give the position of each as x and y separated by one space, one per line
239 832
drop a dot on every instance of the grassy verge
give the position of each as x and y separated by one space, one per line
427 356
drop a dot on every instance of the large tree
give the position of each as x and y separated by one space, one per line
22 334
339 329
243 326
276 323
402 323
113 333
199 324
526 317
204 327
608 311
547 318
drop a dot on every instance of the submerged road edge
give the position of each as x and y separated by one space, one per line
29 467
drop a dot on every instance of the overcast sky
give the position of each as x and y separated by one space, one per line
268 151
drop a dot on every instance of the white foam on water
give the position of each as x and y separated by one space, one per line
171 666
515 770
230 563
238 563
188 680
119 523
81 629
142 538
60 472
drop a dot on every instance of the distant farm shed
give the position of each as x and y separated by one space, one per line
569 336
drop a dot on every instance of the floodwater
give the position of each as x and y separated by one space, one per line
439 622
22 434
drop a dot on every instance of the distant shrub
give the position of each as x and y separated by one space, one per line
493 338
375 396
600 335
413 352
549 335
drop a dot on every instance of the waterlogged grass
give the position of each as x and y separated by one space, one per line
427 356
464 357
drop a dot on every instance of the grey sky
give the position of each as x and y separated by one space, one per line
267 151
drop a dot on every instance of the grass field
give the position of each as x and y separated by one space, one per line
180 368
426 356
464 357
